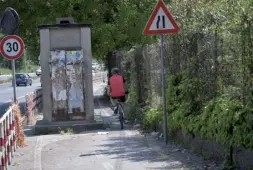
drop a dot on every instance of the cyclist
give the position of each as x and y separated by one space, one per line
117 88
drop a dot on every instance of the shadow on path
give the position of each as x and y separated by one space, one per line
152 153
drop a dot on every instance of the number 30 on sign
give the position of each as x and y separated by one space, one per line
12 47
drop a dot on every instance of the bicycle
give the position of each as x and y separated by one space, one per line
120 112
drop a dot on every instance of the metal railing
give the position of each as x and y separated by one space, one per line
7 138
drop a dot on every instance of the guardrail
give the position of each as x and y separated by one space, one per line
7 138
8 78
5 77
33 105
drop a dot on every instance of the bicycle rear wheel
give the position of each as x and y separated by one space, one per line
121 117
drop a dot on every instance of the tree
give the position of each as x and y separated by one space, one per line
115 23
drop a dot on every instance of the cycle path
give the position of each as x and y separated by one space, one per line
110 149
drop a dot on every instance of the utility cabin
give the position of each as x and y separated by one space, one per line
65 60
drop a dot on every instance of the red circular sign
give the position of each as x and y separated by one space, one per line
12 47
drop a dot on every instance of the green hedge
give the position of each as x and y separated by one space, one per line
222 119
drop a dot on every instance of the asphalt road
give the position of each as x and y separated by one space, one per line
6 94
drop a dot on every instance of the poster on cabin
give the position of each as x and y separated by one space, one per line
67 74
59 87
75 82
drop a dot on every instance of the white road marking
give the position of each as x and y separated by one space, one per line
37 154
20 97
103 133
17 98
128 133
108 166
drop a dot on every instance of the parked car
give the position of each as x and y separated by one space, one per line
23 78
38 72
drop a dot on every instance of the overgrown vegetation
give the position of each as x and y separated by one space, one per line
208 73
222 119
67 131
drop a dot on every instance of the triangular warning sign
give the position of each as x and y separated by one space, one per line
161 21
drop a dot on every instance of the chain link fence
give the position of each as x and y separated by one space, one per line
217 64
141 68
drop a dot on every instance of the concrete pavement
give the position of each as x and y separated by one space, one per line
110 149
105 150
6 94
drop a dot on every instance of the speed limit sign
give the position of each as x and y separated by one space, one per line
12 47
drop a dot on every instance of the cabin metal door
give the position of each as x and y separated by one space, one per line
59 87
75 85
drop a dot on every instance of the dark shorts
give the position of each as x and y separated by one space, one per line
121 98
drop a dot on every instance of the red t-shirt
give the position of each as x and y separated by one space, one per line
116 83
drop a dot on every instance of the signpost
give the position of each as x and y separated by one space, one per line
12 48
161 22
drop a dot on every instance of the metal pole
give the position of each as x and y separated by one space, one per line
14 80
163 92
25 63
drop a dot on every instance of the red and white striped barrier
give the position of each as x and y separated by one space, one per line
7 138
